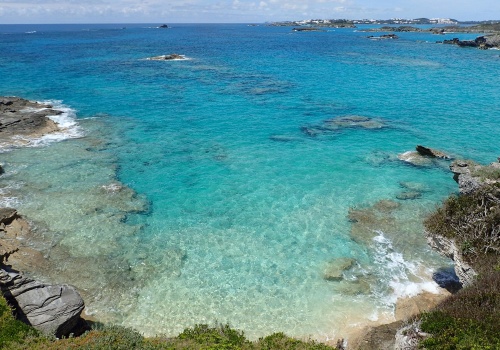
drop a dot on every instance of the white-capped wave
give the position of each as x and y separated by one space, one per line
66 121
405 278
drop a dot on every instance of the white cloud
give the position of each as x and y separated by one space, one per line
53 11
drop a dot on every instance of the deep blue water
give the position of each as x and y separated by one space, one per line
236 210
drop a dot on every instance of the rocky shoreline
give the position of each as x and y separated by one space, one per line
52 309
21 118
31 119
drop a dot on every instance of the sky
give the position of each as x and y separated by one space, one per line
237 11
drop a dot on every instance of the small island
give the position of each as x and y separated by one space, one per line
171 57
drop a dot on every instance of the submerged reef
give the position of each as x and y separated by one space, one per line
107 204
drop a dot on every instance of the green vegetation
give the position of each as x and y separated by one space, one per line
15 335
12 330
470 318
472 220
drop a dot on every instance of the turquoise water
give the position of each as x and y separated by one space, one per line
188 191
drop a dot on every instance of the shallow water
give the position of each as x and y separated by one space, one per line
192 193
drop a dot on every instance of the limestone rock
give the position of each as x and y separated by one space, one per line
334 270
471 176
377 338
448 248
52 309
27 118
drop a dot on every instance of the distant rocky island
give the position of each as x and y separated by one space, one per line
488 41
346 23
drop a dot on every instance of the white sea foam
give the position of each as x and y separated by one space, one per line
405 278
66 121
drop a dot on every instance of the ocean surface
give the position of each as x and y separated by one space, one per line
214 189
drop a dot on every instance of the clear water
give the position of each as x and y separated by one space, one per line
227 210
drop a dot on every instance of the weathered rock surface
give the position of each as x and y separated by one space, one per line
481 42
470 176
430 152
52 309
448 248
409 336
377 338
26 118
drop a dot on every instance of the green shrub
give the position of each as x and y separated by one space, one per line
12 330
281 341
449 333
218 337
472 220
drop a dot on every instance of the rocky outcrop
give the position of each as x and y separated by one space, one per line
448 247
470 176
26 118
430 152
385 36
307 29
423 156
377 338
52 309
171 57
481 42
7 215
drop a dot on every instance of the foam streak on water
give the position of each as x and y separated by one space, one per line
222 187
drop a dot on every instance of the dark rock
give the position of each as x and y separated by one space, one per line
7 215
1 169
52 309
385 36
163 26
433 153
22 117
447 278
481 42
307 29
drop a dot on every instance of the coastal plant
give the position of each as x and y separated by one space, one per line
12 330
472 220
221 336
470 318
